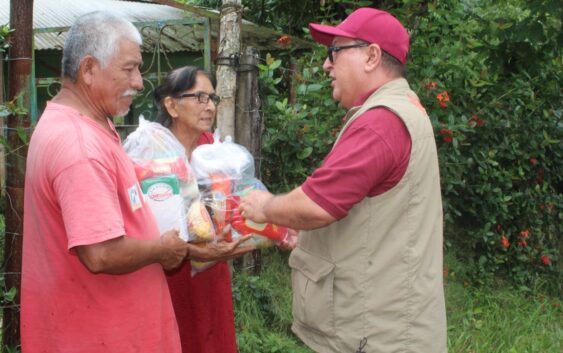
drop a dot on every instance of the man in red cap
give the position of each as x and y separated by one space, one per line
367 269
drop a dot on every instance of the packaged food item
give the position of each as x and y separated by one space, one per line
272 232
162 166
199 222
162 194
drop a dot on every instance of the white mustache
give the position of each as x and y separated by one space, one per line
130 92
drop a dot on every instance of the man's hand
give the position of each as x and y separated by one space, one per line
175 249
220 250
252 205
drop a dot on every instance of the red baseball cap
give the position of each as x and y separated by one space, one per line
370 25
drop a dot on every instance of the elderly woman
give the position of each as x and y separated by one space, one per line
203 304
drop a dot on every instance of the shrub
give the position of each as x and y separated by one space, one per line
489 75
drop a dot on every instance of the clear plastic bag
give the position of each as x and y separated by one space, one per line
225 172
219 167
168 182
265 234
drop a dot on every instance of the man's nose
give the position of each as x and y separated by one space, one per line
137 81
327 65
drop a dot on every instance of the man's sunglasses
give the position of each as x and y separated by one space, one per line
336 49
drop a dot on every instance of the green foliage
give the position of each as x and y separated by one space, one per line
4 31
263 308
297 136
288 16
489 74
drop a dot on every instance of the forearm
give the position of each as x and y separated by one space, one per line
121 255
296 210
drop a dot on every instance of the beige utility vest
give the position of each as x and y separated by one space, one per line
372 282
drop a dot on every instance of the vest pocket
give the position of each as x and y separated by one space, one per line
312 281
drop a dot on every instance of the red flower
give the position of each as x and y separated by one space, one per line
499 228
504 242
522 243
539 176
525 233
533 162
545 260
447 134
431 85
443 98
541 206
284 40
334 132
551 206
475 121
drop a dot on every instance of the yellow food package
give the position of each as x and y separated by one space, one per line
199 222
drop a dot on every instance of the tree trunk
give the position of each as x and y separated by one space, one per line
249 126
21 20
227 63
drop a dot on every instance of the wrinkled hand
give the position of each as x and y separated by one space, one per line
174 248
220 250
290 241
252 205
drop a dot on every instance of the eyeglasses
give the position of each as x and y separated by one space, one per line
336 49
202 98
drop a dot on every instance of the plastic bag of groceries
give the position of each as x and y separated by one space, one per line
168 183
225 172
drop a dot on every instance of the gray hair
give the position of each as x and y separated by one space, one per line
393 64
97 34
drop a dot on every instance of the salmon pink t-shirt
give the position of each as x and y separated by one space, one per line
81 189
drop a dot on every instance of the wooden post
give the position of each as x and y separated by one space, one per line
2 126
19 76
248 119
249 126
227 62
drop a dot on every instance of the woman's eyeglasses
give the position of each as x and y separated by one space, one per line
336 49
202 98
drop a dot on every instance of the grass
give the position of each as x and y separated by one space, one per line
499 319
491 318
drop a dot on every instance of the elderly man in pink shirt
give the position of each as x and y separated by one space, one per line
93 257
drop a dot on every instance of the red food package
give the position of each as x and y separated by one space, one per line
162 166
245 226
221 188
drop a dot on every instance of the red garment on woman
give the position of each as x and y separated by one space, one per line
203 304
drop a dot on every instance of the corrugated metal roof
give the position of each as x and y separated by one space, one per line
49 14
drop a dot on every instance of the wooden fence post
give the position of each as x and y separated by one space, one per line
249 126
21 20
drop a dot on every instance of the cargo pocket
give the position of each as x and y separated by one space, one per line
312 282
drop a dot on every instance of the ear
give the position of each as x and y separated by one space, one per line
88 69
374 57
170 104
